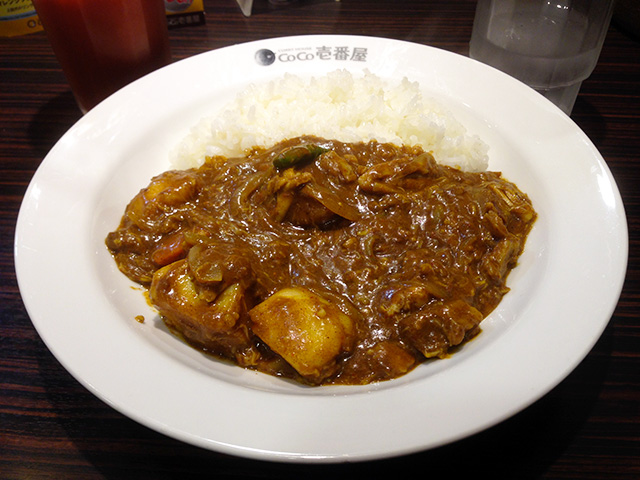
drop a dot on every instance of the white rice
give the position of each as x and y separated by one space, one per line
336 106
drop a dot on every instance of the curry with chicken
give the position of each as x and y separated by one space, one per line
324 262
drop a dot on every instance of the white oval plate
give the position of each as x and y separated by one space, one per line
563 291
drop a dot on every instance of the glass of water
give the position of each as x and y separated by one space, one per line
551 45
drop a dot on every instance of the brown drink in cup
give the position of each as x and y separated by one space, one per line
102 45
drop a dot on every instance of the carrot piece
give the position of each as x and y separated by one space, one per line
172 248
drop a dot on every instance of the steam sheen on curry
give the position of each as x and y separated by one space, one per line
324 262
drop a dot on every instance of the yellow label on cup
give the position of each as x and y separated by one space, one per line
18 17
184 12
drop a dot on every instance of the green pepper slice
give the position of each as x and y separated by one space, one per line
298 154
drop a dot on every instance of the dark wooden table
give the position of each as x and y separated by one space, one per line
588 427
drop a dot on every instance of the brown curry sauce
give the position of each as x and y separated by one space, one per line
350 267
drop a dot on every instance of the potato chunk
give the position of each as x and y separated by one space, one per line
306 330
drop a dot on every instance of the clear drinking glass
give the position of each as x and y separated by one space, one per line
551 45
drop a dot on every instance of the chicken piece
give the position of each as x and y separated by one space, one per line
285 186
305 211
149 234
331 201
316 206
336 166
503 257
518 212
391 176
383 361
441 325
220 264
186 307
309 332
150 208
408 296
301 202
495 223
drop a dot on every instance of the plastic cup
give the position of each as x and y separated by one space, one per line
551 45
102 45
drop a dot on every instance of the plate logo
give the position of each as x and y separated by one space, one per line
266 57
